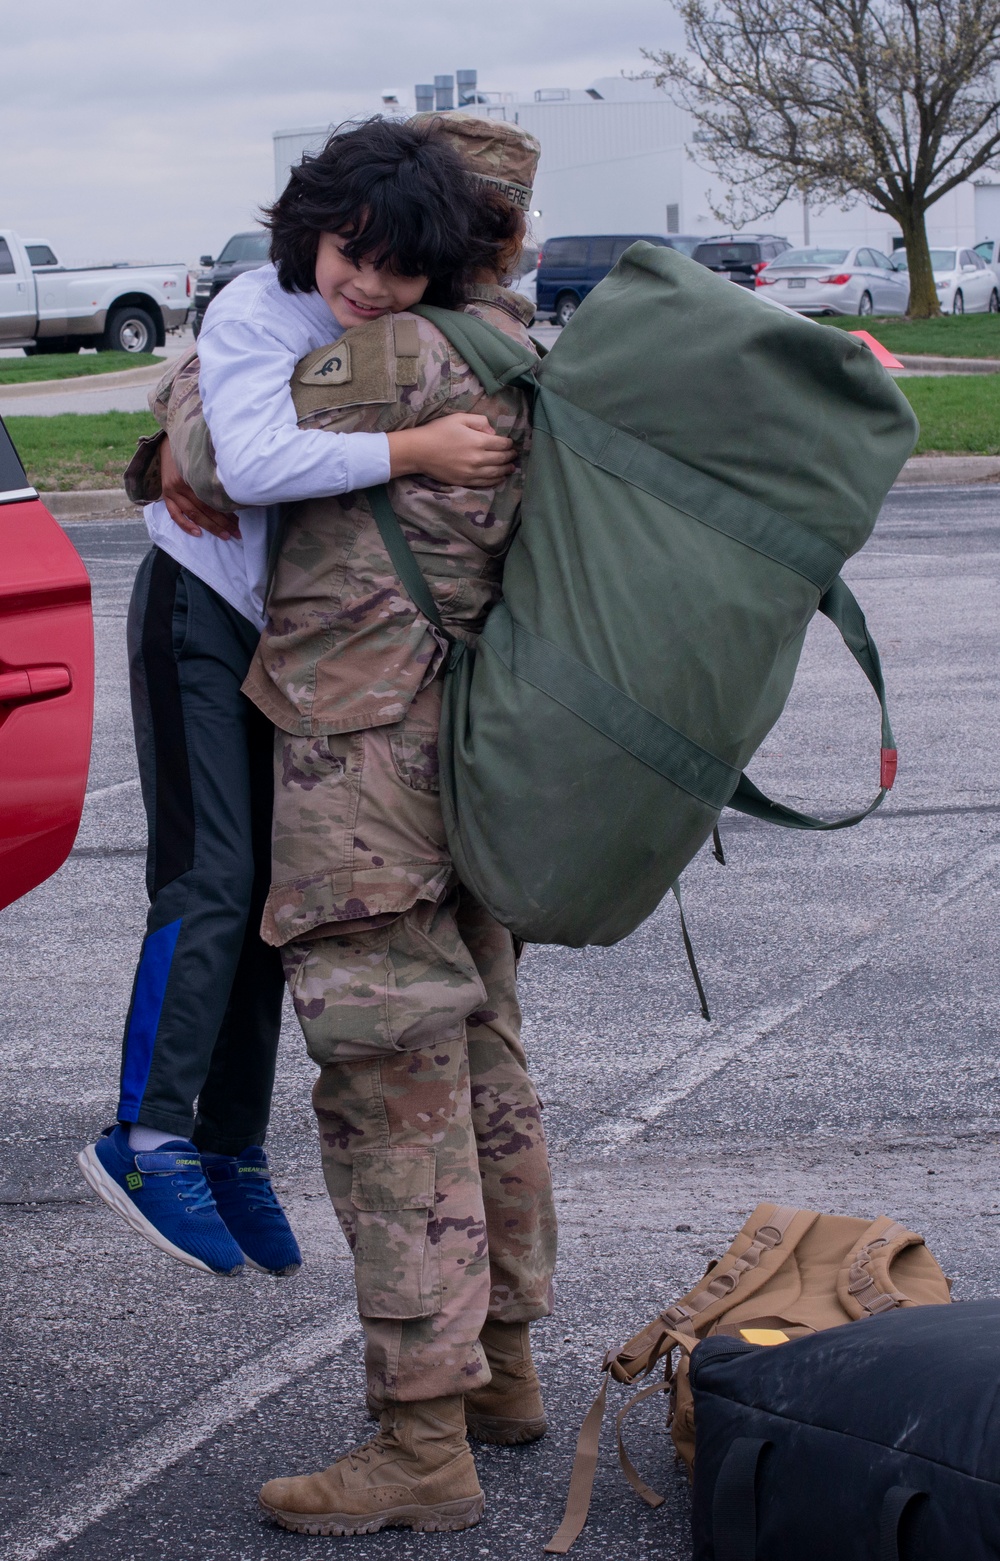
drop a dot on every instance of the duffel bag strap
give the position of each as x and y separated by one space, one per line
894 1505
495 358
734 1501
403 558
841 607
734 1506
411 576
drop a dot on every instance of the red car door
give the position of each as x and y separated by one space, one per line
46 684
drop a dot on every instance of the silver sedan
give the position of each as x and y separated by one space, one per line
837 281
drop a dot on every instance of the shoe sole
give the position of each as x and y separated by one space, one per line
504 1433
108 1190
447 1518
277 1273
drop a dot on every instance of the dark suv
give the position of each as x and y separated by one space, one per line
740 256
244 252
570 268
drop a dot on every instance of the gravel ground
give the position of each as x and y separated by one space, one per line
849 1066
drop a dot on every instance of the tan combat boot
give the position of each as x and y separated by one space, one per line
509 1408
416 1473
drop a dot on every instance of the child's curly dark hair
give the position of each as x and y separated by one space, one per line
397 193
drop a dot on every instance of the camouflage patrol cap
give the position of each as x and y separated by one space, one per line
500 153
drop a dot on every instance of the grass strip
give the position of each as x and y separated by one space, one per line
71 365
959 414
950 336
78 449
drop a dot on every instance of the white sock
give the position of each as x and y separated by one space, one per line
142 1139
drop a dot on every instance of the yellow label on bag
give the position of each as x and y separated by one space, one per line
763 1336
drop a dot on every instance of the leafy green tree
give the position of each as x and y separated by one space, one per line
893 100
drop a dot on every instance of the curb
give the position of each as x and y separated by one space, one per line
946 470
83 383
935 365
949 470
91 504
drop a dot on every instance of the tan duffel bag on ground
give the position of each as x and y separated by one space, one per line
790 1272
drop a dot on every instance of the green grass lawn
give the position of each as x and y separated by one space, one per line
959 413
78 449
71 365
950 336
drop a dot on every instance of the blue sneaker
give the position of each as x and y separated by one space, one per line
163 1195
244 1197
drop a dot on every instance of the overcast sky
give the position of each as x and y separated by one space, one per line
130 130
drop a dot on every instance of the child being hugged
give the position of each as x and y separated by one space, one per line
378 220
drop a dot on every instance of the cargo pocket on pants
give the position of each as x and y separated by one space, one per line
396 1267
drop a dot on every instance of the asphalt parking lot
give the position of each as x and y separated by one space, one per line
850 1065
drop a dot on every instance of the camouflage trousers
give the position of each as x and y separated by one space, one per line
432 1142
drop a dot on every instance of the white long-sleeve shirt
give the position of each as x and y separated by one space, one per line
253 336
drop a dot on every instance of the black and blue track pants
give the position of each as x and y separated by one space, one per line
201 1036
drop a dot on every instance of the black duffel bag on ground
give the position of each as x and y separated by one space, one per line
876 1442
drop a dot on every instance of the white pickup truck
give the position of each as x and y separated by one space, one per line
118 308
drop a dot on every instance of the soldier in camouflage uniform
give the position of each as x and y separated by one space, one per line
433 1148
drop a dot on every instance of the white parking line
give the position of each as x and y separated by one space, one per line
718 1045
110 791
120 1476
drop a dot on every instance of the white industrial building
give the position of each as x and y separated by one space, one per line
620 157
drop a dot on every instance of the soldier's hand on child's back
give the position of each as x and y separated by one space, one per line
184 506
462 450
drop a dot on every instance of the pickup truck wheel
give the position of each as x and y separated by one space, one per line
129 330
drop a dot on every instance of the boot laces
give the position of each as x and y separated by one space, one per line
363 1454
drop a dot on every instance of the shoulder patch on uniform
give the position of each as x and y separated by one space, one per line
356 371
332 367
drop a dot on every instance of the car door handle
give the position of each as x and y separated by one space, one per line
17 688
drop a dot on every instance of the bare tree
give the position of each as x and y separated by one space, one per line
893 100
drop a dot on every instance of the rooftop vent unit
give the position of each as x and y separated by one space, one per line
424 98
444 93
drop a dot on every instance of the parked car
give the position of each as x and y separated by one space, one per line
570 268
46 684
965 283
117 308
527 286
989 250
243 252
837 281
739 257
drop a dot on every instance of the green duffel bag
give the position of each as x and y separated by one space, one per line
703 465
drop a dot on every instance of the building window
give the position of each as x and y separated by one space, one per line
673 219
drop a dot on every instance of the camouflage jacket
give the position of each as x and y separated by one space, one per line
345 649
